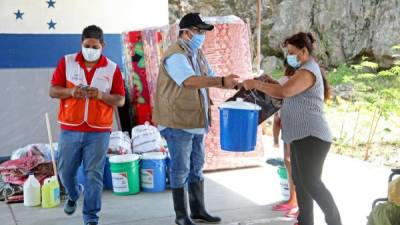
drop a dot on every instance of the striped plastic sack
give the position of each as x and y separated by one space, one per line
146 138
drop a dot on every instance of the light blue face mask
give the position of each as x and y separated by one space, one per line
293 61
197 41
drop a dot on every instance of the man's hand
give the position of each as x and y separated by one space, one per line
250 84
77 92
230 81
94 93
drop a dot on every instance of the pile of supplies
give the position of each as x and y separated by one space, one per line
141 160
32 159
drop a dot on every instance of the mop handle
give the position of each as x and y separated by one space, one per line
51 144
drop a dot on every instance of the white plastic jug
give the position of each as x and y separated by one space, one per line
31 191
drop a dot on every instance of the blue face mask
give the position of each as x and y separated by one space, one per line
197 41
292 61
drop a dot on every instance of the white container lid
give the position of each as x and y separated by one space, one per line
124 158
154 155
239 104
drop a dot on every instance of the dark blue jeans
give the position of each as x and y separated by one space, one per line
88 148
187 156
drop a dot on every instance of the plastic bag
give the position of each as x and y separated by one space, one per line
268 104
146 138
120 143
35 149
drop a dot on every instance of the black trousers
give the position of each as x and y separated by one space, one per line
307 157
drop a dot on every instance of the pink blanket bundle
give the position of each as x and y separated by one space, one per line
227 50
16 171
153 48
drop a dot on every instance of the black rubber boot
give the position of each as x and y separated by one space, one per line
180 206
197 206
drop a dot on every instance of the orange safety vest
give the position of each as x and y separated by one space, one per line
75 112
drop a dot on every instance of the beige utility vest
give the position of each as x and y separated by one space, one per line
178 106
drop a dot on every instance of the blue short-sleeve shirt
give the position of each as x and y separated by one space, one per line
179 68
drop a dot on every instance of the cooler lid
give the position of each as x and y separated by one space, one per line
239 104
124 158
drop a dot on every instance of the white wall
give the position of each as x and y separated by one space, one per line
113 16
24 89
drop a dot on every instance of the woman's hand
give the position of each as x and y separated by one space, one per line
267 79
250 84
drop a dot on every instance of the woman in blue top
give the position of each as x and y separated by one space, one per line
304 126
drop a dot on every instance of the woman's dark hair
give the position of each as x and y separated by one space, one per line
289 71
93 31
301 40
327 87
306 40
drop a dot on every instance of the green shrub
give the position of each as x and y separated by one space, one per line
341 75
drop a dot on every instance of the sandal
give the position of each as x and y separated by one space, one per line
293 213
283 207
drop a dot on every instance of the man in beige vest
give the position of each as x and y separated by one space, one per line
182 113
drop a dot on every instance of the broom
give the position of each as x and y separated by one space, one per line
51 146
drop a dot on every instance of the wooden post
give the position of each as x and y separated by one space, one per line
250 40
258 45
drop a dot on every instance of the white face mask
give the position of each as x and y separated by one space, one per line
91 54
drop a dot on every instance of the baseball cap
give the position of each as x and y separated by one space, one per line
194 20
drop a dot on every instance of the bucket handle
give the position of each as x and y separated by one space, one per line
255 99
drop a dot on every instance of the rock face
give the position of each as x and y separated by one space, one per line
345 29
270 64
345 91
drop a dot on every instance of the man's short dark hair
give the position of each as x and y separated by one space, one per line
93 31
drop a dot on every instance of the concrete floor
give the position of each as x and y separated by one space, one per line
240 197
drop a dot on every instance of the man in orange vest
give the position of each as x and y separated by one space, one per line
89 86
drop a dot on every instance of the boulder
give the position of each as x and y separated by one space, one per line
345 29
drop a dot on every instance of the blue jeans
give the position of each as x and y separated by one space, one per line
90 148
187 156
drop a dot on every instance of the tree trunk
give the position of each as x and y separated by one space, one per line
375 120
258 26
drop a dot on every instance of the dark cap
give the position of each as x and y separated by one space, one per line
194 20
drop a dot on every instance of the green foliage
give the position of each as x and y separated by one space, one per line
396 47
276 74
375 91
379 90
357 67
395 70
369 64
341 75
366 76
386 73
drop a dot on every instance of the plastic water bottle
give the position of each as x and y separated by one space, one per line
50 193
31 191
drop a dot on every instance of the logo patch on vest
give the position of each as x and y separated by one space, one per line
76 78
102 82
